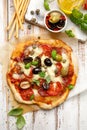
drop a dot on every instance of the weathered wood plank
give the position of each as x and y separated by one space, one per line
83 111
44 120
69 116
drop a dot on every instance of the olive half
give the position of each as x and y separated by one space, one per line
54 17
36 70
45 86
47 62
64 72
27 60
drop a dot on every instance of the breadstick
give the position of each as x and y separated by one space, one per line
13 17
12 30
24 9
18 16
16 35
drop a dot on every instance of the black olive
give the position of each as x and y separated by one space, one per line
39 60
27 60
61 23
45 85
47 62
52 25
36 70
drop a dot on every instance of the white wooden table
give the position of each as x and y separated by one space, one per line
72 115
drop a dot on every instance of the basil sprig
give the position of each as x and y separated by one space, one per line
17 112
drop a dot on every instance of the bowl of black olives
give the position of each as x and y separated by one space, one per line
55 21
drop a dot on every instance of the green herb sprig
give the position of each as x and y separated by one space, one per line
70 33
17 112
79 19
46 5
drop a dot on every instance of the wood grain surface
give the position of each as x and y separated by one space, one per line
72 115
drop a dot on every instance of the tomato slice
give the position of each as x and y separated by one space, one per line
26 93
55 90
67 80
59 67
43 92
46 50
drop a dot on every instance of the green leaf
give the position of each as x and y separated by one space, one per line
75 20
46 4
77 14
37 82
70 86
20 122
85 16
70 33
53 54
32 97
83 26
42 74
16 112
48 79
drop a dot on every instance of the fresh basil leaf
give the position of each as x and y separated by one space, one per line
48 79
42 74
16 112
37 82
20 122
32 97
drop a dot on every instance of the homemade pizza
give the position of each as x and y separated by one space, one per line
42 72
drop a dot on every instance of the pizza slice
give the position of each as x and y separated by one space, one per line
42 72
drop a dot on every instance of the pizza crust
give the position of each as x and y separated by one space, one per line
57 100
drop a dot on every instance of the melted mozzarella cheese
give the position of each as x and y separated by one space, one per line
16 76
51 73
42 59
35 92
36 76
37 52
57 79
65 57
26 71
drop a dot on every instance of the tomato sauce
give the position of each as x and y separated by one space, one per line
51 91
